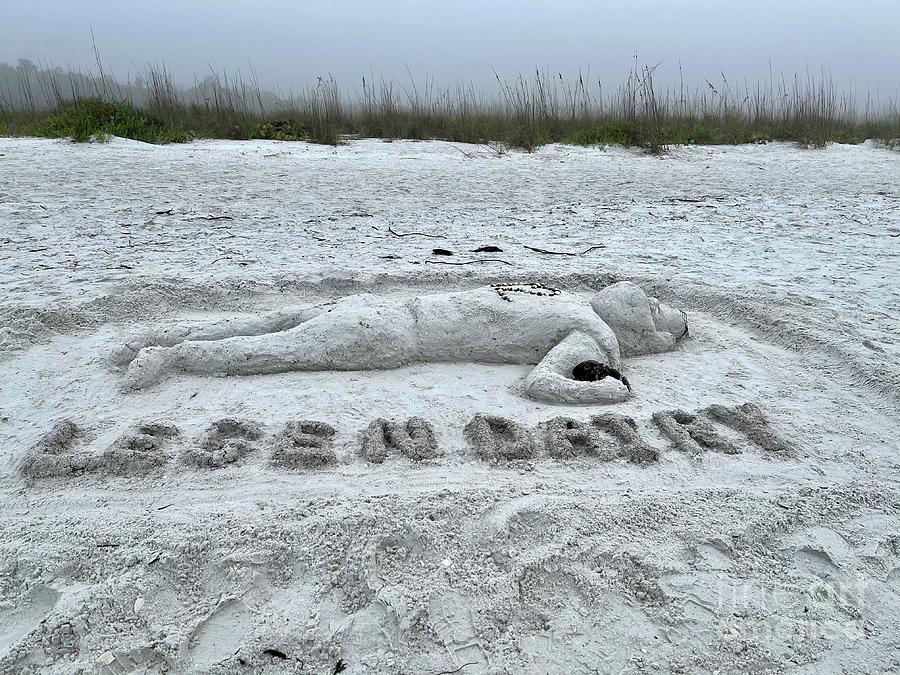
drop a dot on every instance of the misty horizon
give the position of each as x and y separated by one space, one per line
287 47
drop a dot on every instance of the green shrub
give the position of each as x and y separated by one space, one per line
279 131
614 132
93 118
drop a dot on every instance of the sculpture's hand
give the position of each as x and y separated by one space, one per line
550 381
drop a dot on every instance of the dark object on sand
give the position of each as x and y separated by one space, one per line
441 251
487 249
593 371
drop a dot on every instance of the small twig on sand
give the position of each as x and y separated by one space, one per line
871 234
450 672
695 200
212 218
467 262
570 253
409 234
467 155
242 262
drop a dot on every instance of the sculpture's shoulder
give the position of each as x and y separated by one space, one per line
501 301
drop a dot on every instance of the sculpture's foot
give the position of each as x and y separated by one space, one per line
123 354
150 366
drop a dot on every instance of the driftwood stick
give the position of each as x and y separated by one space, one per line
450 672
569 253
467 262
409 234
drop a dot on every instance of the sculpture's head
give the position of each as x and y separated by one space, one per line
669 319
641 323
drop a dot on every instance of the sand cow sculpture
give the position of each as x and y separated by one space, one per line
514 324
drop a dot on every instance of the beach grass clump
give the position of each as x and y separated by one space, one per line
94 118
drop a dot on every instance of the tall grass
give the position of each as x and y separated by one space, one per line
526 112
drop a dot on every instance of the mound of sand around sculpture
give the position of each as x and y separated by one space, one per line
223 442
498 439
692 434
415 439
304 444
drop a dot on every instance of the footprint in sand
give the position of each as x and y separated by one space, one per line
822 552
219 635
451 617
19 619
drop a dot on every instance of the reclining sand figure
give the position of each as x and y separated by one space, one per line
514 324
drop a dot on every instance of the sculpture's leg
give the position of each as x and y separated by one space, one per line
351 338
272 322
550 380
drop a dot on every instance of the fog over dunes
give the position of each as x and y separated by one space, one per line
289 44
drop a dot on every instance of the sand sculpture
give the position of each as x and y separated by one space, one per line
514 324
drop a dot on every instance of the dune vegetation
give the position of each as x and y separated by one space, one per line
526 113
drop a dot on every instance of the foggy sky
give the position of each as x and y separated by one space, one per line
290 43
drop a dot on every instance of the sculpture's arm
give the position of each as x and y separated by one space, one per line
271 322
551 379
